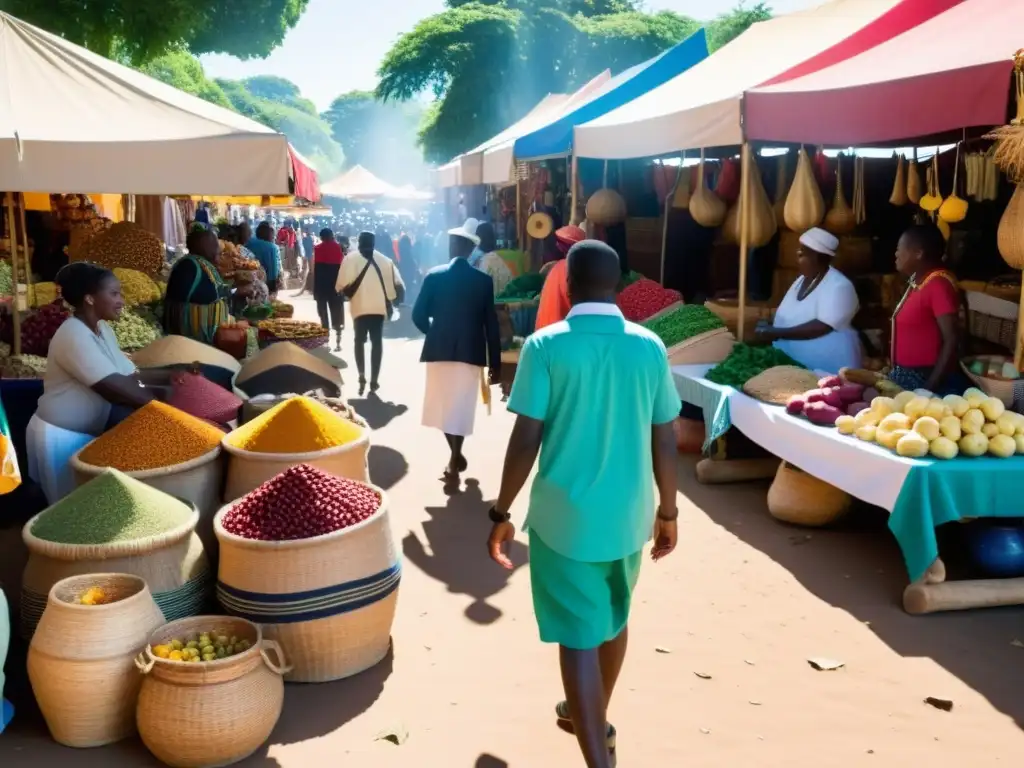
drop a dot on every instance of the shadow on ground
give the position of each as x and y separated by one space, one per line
456 552
387 466
857 566
403 327
378 413
489 761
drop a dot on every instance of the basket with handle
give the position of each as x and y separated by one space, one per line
80 658
801 499
216 713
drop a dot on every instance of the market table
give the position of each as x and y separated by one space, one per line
919 494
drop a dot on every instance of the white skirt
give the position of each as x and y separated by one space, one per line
450 399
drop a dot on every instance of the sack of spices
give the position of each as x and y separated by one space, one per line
116 524
310 557
194 394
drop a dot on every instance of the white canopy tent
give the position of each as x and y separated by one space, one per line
73 121
357 183
702 106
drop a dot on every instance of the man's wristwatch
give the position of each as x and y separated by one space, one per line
499 517
667 518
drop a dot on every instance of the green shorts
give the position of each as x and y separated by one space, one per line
580 605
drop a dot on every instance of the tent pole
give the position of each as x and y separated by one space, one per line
519 229
15 308
665 209
744 236
573 194
24 235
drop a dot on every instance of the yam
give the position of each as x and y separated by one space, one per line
821 413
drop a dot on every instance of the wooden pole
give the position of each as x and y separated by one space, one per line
15 308
665 209
24 235
519 227
744 236
573 194
1018 357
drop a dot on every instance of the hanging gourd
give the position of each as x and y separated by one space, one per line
606 208
859 207
899 186
821 174
913 183
932 200
840 219
681 196
1010 236
781 189
954 208
943 228
805 206
706 208
762 225
1008 152
728 186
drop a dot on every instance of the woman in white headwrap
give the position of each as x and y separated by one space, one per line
813 323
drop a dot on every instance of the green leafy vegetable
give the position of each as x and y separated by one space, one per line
684 323
745 362
523 287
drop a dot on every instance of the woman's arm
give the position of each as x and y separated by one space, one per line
812 329
948 327
123 390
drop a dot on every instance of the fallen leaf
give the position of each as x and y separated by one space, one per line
660 649
397 735
755 703
946 705
1017 644
705 730
748 661
825 665
703 675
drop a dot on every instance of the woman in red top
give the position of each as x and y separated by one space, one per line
554 296
926 323
327 257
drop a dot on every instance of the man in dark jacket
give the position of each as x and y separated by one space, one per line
455 310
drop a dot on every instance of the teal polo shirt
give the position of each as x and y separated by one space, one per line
598 383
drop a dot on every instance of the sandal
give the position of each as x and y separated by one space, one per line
562 713
463 465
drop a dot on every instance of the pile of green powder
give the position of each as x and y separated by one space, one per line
110 508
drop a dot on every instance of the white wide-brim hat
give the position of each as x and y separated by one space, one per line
467 230
820 240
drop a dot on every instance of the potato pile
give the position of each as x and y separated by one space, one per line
917 424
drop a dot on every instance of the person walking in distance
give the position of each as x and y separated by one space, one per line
371 283
455 311
324 268
594 397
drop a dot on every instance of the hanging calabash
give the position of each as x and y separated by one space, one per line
840 219
681 196
954 208
781 188
805 206
606 208
706 208
1010 235
762 226
913 183
931 201
899 186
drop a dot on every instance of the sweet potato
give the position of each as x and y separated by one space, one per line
854 408
822 414
795 405
830 381
851 393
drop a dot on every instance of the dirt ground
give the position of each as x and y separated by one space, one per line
717 673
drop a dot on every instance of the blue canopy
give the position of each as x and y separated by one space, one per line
555 139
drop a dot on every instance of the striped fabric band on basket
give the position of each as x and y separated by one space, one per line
295 607
190 599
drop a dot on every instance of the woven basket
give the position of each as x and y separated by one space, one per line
248 470
704 348
173 565
798 498
216 713
999 388
313 342
330 600
196 482
728 311
80 662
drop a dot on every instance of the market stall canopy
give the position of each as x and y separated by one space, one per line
468 168
702 106
357 183
555 138
500 156
305 183
73 121
950 72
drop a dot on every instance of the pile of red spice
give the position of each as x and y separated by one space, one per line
300 503
645 298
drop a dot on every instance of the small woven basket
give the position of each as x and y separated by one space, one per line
711 348
801 499
206 714
329 600
313 342
1000 388
80 661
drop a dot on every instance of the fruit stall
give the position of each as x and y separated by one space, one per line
827 438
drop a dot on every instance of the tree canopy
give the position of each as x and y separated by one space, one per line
139 31
489 62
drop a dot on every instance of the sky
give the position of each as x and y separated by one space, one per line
329 53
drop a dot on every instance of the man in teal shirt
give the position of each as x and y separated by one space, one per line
595 399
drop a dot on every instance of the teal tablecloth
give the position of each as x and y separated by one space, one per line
712 399
938 492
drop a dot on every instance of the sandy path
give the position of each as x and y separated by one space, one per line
744 600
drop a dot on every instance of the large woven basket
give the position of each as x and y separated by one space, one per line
248 470
802 499
728 311
999 388
200 715
711 347
197 482
330 600
80 662
173 565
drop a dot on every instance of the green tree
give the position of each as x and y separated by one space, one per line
185 72
380 136
141 30
728 26
489 62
